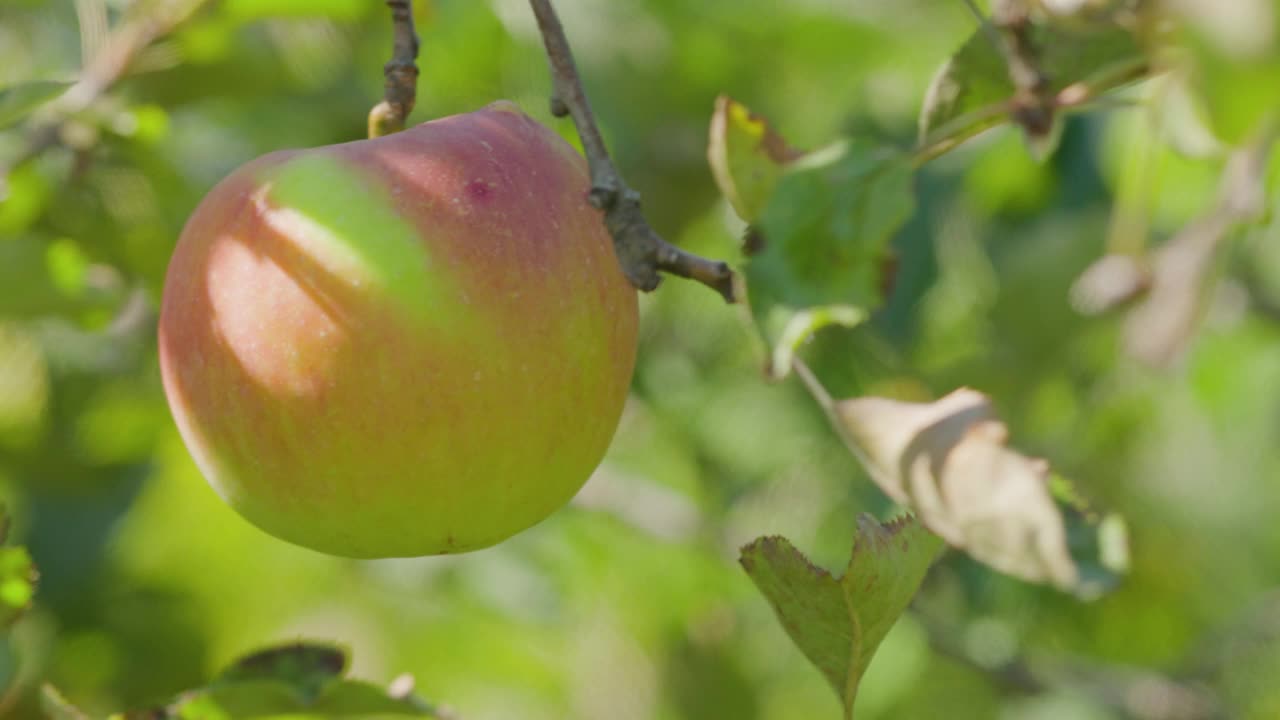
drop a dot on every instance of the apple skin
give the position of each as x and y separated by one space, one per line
411 345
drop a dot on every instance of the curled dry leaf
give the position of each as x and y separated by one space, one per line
947 460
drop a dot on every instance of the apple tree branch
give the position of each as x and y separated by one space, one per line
401 71
1009 29
641 251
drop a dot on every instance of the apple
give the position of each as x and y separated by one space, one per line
411 345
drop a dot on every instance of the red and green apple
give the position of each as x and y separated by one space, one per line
410 345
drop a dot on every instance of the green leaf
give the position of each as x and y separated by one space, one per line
18 101
353 698
970 93
839 622
300 680
823 225
747 157
244 699
826 231
1082 59
305 667
269 698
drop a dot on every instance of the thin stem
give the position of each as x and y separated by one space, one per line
831 407
401 71
641 251
1009 29
986 27
813 385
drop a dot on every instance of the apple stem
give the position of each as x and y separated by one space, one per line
401 72
641 251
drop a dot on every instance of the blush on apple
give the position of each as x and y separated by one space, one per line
411 345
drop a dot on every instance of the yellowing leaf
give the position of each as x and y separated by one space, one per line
747 157
821 225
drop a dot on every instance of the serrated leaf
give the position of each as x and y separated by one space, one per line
56 707
948 462
242 699
839 622
826 231
1082 59
18 101
747 157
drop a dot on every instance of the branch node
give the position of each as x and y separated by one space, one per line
641 251
1010 30
602 198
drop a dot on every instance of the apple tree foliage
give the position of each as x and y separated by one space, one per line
1007 280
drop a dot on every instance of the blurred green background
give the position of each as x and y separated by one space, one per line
629 604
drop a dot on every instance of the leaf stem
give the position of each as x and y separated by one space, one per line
830 407
813 385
